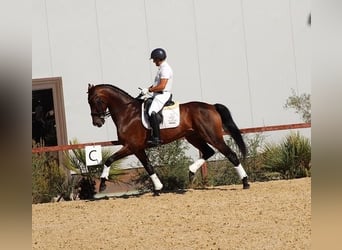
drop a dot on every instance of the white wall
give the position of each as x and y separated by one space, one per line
244 54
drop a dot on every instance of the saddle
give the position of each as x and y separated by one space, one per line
168 117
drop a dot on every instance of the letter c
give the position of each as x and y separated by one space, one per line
90 155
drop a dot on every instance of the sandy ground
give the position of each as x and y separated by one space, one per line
270 215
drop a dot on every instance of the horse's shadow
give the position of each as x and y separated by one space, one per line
108 196
135 194
178 191
144 192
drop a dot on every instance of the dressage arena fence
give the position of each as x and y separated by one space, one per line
115 143
89 190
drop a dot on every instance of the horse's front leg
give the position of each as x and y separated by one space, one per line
123 152
141 155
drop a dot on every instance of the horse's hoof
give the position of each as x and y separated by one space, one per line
156 192
245 183
103 185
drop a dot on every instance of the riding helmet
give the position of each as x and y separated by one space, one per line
158 53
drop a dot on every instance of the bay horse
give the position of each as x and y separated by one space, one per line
201 124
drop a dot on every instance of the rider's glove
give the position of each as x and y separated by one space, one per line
144 91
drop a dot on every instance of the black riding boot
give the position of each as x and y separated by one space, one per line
155 132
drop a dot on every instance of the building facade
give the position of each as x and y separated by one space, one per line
247 55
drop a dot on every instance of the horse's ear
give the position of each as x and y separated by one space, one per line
90 86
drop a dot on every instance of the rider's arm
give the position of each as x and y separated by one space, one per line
160 86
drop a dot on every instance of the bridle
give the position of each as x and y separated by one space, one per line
98 102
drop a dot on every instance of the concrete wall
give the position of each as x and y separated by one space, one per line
244 54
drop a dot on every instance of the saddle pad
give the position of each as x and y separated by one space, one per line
170 117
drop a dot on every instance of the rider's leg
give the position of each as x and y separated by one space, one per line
157 104
155 138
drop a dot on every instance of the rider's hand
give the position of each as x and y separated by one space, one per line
144 91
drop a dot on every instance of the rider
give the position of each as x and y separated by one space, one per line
161 89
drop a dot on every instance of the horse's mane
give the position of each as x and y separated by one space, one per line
115 88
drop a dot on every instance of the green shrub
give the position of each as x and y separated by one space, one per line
291 158
171 165
288 159
47 177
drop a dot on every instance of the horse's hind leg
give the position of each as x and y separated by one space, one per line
204 148
141 155
232 157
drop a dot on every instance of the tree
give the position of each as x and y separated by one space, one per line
302 105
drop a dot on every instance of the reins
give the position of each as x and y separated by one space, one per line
105 114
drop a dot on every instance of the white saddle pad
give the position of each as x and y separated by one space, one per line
170 117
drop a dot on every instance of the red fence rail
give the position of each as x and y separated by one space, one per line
275 127
114 143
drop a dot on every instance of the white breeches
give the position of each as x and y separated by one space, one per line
158 102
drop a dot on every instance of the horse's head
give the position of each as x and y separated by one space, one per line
97 105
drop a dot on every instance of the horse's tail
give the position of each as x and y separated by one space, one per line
230 127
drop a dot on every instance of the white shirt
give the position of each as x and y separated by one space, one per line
164 72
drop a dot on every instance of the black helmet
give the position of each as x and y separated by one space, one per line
158 53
